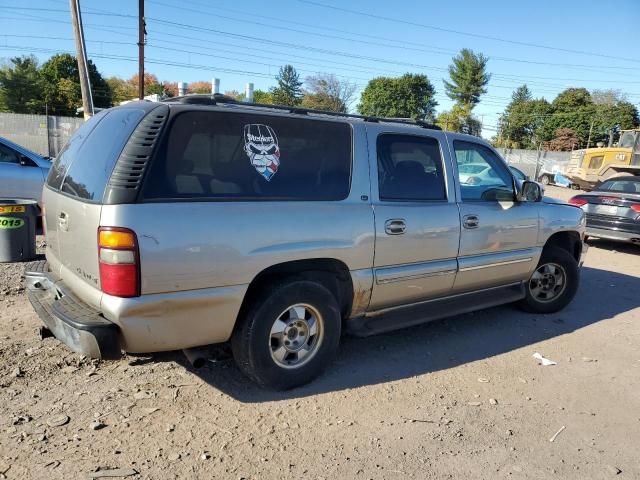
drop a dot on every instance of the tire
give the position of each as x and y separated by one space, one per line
545 180
258 343
544 292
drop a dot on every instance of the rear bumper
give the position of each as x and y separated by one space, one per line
82 328
612 234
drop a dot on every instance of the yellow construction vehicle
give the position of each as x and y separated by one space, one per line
589 167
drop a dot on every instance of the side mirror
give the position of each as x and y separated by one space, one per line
529 192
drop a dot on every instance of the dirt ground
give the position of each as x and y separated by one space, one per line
460 398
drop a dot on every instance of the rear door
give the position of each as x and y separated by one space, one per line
416 217
77 206
499 235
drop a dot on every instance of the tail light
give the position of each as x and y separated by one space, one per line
119 262
635 207
578 201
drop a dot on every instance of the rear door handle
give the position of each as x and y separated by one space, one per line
470 221
395 226
63 221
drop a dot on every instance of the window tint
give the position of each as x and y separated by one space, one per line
493 182
8 155
410 168
229 155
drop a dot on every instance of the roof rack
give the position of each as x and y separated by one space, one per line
217 98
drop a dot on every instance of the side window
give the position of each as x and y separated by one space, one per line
596 162
8 155
234 155
410 168
482 174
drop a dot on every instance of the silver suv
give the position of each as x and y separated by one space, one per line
200 221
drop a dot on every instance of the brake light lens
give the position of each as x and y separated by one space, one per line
119 262
636 207
577 201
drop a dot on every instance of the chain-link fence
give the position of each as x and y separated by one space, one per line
42 134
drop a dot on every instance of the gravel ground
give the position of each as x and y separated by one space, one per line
460 398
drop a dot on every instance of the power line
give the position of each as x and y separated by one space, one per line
468 34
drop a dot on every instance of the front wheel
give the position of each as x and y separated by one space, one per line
553 284
545 180
288 335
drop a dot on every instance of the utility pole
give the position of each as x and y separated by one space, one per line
81 52
142 32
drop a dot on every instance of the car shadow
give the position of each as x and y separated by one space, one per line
434 346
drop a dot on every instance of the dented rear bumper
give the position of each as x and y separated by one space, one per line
82 328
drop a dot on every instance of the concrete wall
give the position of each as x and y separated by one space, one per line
525 160
42 134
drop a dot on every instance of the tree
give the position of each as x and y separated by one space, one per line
289 89
519 125
61 85
21 86
200 86
326 92
408 96
459 119
121 90
468 78
260 96
564 140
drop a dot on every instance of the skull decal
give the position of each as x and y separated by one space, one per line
261 146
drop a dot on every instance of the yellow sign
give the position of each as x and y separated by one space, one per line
10 222
12 208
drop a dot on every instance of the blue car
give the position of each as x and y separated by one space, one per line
22 172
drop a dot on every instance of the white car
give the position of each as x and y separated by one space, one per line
22 172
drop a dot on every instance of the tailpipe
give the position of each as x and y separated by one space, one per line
197 356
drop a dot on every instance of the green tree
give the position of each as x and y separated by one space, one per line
468 78
459 119
21 86
289 89
121 90
62 85
408 96
260 96
520 124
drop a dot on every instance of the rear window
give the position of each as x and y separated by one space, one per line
70 151
84 166
623 186
225 155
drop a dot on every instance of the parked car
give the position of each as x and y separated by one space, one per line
613 210
197 221
22 172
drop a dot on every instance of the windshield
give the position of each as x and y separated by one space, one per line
624 186
627 139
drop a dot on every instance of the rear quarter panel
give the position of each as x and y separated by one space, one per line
186 246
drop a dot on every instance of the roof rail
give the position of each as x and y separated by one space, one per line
217 98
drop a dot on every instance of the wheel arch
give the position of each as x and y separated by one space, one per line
567 240
330 272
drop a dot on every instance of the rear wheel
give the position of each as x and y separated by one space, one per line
288 335
545 180
553 284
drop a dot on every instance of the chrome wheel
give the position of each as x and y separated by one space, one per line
296 336
548 282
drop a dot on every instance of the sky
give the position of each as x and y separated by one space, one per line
549 45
